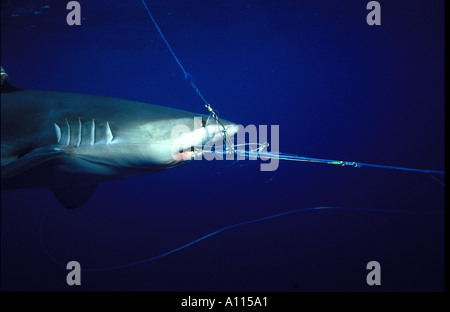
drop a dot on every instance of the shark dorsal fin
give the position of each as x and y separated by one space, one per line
73 196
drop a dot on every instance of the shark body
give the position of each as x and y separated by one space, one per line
72 142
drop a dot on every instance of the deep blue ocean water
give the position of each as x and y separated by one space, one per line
338 89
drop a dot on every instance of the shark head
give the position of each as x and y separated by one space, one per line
169 142
72 142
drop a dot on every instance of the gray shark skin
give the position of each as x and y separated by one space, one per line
72 142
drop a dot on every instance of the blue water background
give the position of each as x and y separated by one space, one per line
337 88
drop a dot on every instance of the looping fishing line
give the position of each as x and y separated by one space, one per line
229 227
253 152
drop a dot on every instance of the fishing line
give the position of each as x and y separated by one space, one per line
281 156
342 163
253 153
232 226
189 78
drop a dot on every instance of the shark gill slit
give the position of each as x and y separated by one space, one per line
58 132
68 132
80 128
92 139
108 135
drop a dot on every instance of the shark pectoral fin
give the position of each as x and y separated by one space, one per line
73 196
6 87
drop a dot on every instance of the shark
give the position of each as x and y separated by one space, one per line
72 142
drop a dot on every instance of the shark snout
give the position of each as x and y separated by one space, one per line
211 133
219 129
